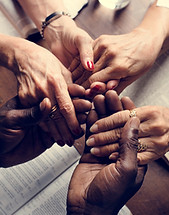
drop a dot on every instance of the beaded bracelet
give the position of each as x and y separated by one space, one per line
50 19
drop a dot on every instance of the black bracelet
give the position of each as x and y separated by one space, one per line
51 18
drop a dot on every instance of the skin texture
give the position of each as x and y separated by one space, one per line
23 134
65 39
153 130
99 185
124 58
39 78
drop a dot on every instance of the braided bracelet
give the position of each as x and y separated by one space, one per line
50 19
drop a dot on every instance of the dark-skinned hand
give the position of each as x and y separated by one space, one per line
22 133
100 186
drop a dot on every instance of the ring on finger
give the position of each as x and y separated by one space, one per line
53 110
141 147
133 113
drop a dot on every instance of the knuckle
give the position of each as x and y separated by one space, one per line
66 108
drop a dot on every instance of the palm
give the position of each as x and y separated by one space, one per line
101 185
92 183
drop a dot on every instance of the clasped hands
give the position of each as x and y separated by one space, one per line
97 184
26 133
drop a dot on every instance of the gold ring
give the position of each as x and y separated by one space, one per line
141 147
133 113
53 110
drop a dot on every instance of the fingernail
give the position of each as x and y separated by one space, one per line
90 65
95 151
134 123
42 106
94 128
113 87
90 142
96 88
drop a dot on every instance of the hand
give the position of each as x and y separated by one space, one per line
22 133
40 74
153 130
69 43
55 123
100 187
122 59
21 138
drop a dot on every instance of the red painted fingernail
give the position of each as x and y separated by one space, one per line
96 88
90 65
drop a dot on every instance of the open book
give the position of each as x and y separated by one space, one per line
13 20
40 185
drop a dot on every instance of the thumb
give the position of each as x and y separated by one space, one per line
30 116
128 144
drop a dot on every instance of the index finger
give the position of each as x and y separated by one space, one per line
67 108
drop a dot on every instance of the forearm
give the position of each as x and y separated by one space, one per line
7 57
156 22
38 10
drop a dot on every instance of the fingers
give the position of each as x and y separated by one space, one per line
127 103
100 106
112 84
114 121
128 145
105 151
81 105
76 90
67 109
113 102
98 77
29 116
91 118
108 104
85 46
95 88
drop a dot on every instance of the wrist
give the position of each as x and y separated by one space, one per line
156 20
51 18
55 29
7 56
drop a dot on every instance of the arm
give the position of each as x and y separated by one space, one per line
40 74
22 130
64 38
130 55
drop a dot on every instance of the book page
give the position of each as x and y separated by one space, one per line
20 183
52 199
